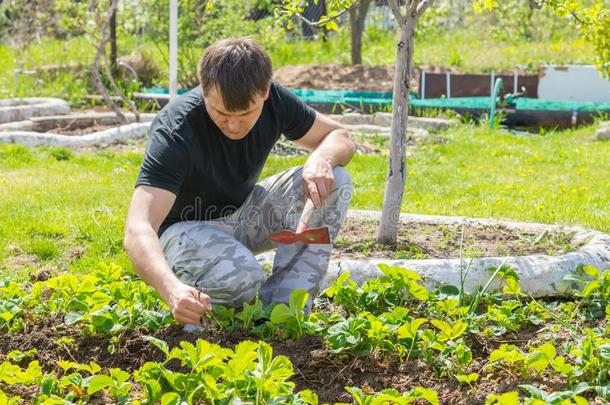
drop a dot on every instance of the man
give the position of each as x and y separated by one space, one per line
197 216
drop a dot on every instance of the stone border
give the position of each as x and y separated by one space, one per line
381 119
119 134
603 132
18 109
29 132
541 275
46 123
380 123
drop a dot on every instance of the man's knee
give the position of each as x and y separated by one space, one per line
342 177
343 186
232 282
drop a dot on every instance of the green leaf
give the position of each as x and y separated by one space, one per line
73 317
418 291
309 397
297 300
549 351
66 365
467 379
280 314
98 383
160 344
103 322
508 398
6 316
458 329
450 290
338 284
443 326
242 359
605 351
170 398
591 271
512 287
590 288
533 392
357 394
426 393
561 366
409 329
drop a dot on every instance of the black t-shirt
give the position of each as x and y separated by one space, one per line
210 173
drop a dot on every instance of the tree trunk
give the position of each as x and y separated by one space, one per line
100 53
113 52
357 17
397 174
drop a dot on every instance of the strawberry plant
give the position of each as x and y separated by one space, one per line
595 293
391 396
290 319
397 287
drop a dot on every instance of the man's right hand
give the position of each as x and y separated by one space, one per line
187 304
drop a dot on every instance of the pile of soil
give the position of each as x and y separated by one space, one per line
337 77
356 240
357 77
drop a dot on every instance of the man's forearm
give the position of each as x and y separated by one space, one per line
336 148
144 250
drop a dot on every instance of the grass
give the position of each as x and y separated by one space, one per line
65 210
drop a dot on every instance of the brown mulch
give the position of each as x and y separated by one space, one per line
80 131
356 240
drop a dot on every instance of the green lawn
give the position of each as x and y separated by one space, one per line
60 213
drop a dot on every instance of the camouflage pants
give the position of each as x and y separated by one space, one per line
217 256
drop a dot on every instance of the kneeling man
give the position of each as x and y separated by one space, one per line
198 216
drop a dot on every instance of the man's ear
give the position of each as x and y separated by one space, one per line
267 93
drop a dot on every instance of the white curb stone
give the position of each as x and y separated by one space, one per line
385 131
381 119
540 275
19 109
603 132
45 123
119 134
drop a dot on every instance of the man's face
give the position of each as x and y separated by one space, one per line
234 124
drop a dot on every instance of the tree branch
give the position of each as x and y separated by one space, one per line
101 50
412 7
396 11
315 24
422 7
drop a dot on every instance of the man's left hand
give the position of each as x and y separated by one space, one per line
318 180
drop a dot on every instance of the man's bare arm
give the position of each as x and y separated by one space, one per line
331 147
149 207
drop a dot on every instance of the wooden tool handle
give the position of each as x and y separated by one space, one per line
306 215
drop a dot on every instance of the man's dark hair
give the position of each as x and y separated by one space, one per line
239 68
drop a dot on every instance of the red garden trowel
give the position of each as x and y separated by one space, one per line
314 235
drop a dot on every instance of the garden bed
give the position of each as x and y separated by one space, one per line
488 343
356 240
314 367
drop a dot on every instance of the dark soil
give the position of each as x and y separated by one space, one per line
314 368
337 77
80 131
287 148
354 77
420 241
